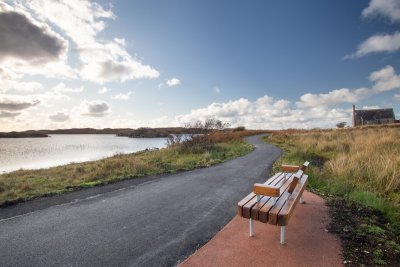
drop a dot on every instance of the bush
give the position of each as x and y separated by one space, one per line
341 124
238 129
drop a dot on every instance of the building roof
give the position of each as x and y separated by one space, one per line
374 114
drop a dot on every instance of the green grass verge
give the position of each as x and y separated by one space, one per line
27 184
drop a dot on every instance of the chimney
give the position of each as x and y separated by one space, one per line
354 115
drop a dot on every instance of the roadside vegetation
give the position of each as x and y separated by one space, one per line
358 171
213 147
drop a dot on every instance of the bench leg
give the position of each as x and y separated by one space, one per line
302 200
251 227
282 235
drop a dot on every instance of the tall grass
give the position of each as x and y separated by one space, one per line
26 184
362 163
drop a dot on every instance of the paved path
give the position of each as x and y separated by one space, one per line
153 221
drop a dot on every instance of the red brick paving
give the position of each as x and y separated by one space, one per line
307 241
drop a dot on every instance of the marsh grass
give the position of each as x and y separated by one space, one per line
26 184
362 164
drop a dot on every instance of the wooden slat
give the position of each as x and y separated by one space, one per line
267 200
266 190
245 205
246 208
290 168
257 207
273 213
287 210
262 212
243 202
265 209
246 213
299 174
296 179
293 185
274 179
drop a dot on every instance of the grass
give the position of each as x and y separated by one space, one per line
27 184
357 171
361 164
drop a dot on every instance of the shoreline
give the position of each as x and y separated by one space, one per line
23 185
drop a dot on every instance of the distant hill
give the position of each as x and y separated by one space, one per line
154 132
25 134
127 132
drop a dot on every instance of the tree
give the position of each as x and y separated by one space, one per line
198 137
341 124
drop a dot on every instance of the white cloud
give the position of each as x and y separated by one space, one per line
16 103
94 108
336 96
386 8
382 42
102 70
8 114
101 60
50 98
267 113
371 107
173 82
46 99
7 74
62 88
59 117
385 80
312 110
122 96
25 39
8 85
80 20
377 43
103 90
217 90
28 46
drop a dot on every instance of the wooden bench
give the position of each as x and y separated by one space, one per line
273 202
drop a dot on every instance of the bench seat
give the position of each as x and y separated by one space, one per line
275 210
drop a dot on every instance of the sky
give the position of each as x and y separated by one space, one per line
261 64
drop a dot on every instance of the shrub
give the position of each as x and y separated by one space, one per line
238 129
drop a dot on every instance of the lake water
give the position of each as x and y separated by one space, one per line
60 149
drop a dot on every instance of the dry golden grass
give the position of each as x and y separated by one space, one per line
363 163
367 159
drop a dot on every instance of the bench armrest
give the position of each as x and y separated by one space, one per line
266 190
290 168
295 168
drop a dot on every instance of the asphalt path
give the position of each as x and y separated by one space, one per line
150 221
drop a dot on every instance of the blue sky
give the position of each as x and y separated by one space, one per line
261 64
